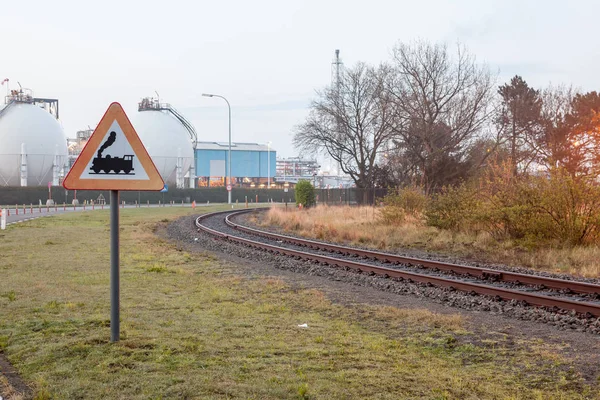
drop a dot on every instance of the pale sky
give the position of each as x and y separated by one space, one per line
268 57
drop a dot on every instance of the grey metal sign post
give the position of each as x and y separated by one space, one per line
114 266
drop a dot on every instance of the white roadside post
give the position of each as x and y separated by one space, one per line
3 218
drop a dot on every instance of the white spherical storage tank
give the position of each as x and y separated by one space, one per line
29 129
166 140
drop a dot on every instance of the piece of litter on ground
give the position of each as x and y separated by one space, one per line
303 326
195 239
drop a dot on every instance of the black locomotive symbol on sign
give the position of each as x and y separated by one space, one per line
110 164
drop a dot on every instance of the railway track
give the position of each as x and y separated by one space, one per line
556 295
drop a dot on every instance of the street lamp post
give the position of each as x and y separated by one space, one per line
268 165
229 151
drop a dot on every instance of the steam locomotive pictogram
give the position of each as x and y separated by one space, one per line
108 164
116 164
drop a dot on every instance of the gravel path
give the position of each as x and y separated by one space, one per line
488 319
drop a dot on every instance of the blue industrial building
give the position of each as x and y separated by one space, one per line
251 163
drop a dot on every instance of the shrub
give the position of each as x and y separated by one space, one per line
453 208
534 210
400 203
305 194
505 203
569 206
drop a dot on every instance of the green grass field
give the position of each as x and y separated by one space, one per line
196 327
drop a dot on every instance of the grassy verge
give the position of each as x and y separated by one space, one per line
193 327
362 226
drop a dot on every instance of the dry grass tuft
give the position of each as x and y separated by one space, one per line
354 225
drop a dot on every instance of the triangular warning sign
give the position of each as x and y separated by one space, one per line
114 158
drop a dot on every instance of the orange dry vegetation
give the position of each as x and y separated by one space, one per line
363 226
352 225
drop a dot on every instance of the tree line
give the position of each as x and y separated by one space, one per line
433 117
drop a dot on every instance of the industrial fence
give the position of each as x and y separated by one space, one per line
350 196
39 195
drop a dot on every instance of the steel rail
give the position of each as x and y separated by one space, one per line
506 294
483 273
580 307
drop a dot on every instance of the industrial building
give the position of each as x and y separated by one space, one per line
33 146
294 168
169 139
252 164
172 142
76 145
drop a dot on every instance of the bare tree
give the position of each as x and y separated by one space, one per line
442 107
351 121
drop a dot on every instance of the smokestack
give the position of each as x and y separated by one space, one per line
111 139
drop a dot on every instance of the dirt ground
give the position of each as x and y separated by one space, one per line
12 386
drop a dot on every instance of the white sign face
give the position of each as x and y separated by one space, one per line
115 159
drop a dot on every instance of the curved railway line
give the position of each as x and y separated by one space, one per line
556 295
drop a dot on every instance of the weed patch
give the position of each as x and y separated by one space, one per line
10 296
158 269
